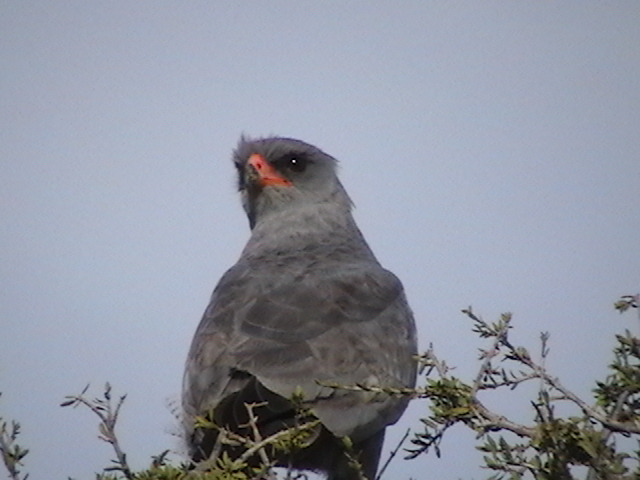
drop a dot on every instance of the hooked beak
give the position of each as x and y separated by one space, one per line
260 172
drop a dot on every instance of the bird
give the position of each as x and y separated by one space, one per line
306 310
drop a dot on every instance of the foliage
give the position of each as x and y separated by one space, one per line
550 446
547 449
12 452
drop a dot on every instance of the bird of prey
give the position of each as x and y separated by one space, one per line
306 306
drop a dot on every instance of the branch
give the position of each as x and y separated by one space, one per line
108 418
253 423
493 421
255 446
500 338
393 453
589 411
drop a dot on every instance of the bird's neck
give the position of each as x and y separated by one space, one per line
317 228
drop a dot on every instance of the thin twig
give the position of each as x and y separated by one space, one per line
108 417
256 446
488 356
257 437
393 453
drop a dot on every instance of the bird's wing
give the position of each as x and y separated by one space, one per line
348 326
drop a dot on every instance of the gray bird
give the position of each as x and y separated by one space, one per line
306 305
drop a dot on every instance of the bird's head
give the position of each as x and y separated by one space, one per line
283 175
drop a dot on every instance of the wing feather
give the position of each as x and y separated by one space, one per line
351 326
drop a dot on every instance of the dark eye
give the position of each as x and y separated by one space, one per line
294 162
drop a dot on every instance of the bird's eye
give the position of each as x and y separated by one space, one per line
294 162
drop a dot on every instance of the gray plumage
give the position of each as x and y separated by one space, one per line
307 302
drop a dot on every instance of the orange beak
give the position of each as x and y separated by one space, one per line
266 173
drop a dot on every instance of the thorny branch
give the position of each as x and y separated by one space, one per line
255 444
537 371
552 444
108 415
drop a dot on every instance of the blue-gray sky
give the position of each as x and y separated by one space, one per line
491 149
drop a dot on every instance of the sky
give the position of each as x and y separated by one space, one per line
491 150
